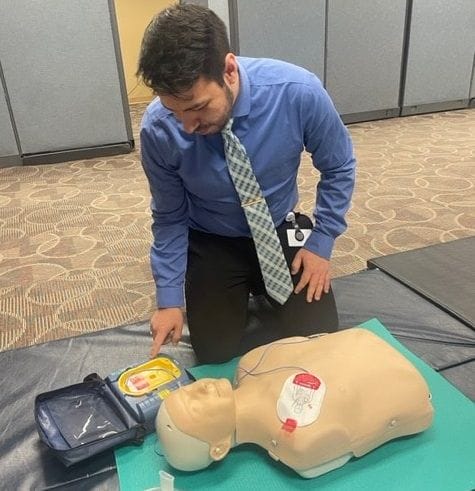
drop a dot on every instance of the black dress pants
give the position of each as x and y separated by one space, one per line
221 274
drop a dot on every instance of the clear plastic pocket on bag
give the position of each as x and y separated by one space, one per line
82 416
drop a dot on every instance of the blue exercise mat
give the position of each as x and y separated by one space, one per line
440 459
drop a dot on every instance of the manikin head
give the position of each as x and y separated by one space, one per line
196 423
185 59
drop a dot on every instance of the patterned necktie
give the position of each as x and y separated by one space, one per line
274 268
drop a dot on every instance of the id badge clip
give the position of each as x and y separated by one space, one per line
296 237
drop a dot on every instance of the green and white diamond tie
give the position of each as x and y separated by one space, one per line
274 268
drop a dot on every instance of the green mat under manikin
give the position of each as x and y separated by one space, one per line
441 458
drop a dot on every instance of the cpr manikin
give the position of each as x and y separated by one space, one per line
312 403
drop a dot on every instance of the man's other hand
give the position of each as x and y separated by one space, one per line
165 325
315 274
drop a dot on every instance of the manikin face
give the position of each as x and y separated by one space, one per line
207 106
182 451
196 423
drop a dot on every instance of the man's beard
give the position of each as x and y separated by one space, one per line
220 123
229 109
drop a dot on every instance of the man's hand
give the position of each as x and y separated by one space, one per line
165 325
315 274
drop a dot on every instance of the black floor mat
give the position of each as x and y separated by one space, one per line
442 273
432 334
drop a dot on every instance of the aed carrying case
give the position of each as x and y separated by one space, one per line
84 419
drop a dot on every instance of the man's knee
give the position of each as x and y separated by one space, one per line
214 352
301 318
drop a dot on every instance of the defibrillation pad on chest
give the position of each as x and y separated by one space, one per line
300 399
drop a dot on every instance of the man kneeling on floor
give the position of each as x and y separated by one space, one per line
221 148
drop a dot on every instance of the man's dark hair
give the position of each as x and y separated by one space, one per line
181 44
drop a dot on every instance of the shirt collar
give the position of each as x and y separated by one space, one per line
242 105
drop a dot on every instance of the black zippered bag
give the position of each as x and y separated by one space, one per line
84 419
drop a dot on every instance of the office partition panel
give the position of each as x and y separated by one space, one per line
364 52
290 31
9 154
63 75
219 7
472 85
440 55
377 59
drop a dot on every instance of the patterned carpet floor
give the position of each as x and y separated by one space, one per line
75 237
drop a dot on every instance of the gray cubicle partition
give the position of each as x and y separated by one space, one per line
377 59
440 55
290 31
472 85
63 74
293 32
9 153
223 9
364 55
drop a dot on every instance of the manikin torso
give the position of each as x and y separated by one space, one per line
373 394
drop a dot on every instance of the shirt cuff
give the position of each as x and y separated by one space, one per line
320 244
170 297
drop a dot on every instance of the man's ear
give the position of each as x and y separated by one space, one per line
219 450
231 72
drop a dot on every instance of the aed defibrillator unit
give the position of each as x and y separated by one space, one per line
143 387
84 419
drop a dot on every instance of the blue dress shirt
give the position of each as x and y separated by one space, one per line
281 109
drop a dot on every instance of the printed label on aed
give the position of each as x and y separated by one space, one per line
301 399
